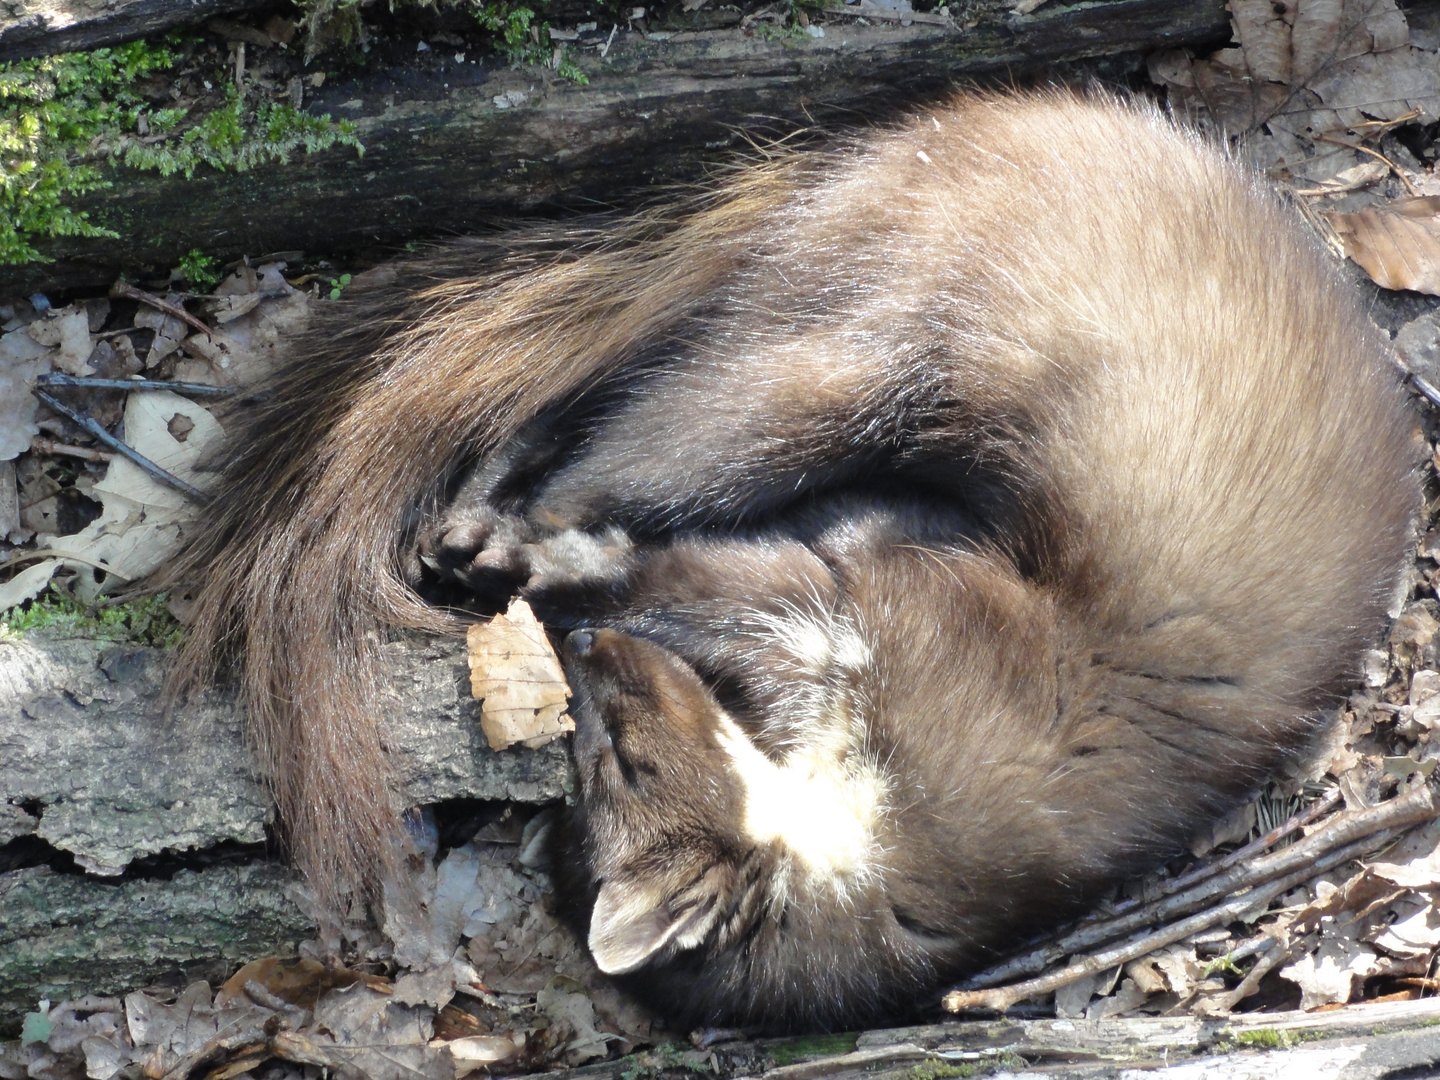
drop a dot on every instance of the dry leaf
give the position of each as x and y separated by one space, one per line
477 1051
1425 698
1398 245
1328 975
68 330
1413 936
1127 999
1414 863
142 519
517 676
22 359
27 584
300 982
169 332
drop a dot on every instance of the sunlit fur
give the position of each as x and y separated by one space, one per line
1015 486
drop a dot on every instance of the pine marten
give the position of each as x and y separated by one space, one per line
944 525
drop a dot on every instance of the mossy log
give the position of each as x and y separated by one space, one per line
451 145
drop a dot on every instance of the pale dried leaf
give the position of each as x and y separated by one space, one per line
1418 345
224 309
1072 998
22 360
479 1050
1425 698
1329 974
141 523
169 333
249 348
1307 66
1180 967
1376 86
1414 863
27 584
1398 245
1264 37
1417 934
1146 976
572 1021
67 330
163 1033
517 676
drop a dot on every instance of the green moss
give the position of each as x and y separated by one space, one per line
795 1050
146 621
63 117
935 1069
939 1069
1224 963
667 1057
521 40
199 270
239 136
1266 1039
51 109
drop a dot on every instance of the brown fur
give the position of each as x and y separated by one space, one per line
1038 403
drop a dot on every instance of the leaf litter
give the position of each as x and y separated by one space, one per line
470 968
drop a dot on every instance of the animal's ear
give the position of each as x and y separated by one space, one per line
633 921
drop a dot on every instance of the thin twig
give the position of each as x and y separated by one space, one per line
41 445
1408 809
1266 963
139 459
124 290
1250 850
55 378
1259 898
1426 388
1411 188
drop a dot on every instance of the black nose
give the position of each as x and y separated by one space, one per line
580 642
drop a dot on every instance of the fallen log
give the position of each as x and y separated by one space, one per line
452 145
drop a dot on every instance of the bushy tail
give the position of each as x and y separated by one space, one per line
300 553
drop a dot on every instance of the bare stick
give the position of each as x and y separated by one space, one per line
55 378
1264 964
124 290
139 459
1260 897
1408 809
41 445
1399 172
1429 392
1255 847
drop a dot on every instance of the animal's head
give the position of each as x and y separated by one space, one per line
658 822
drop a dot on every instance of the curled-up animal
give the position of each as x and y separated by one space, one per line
944 525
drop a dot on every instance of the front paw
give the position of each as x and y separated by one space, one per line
577 577
480 548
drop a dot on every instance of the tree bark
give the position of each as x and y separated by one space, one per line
143 835
1359 1042
452 145
44 27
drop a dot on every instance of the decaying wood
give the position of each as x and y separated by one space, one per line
92 771
453 146
43 27
1359 1042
